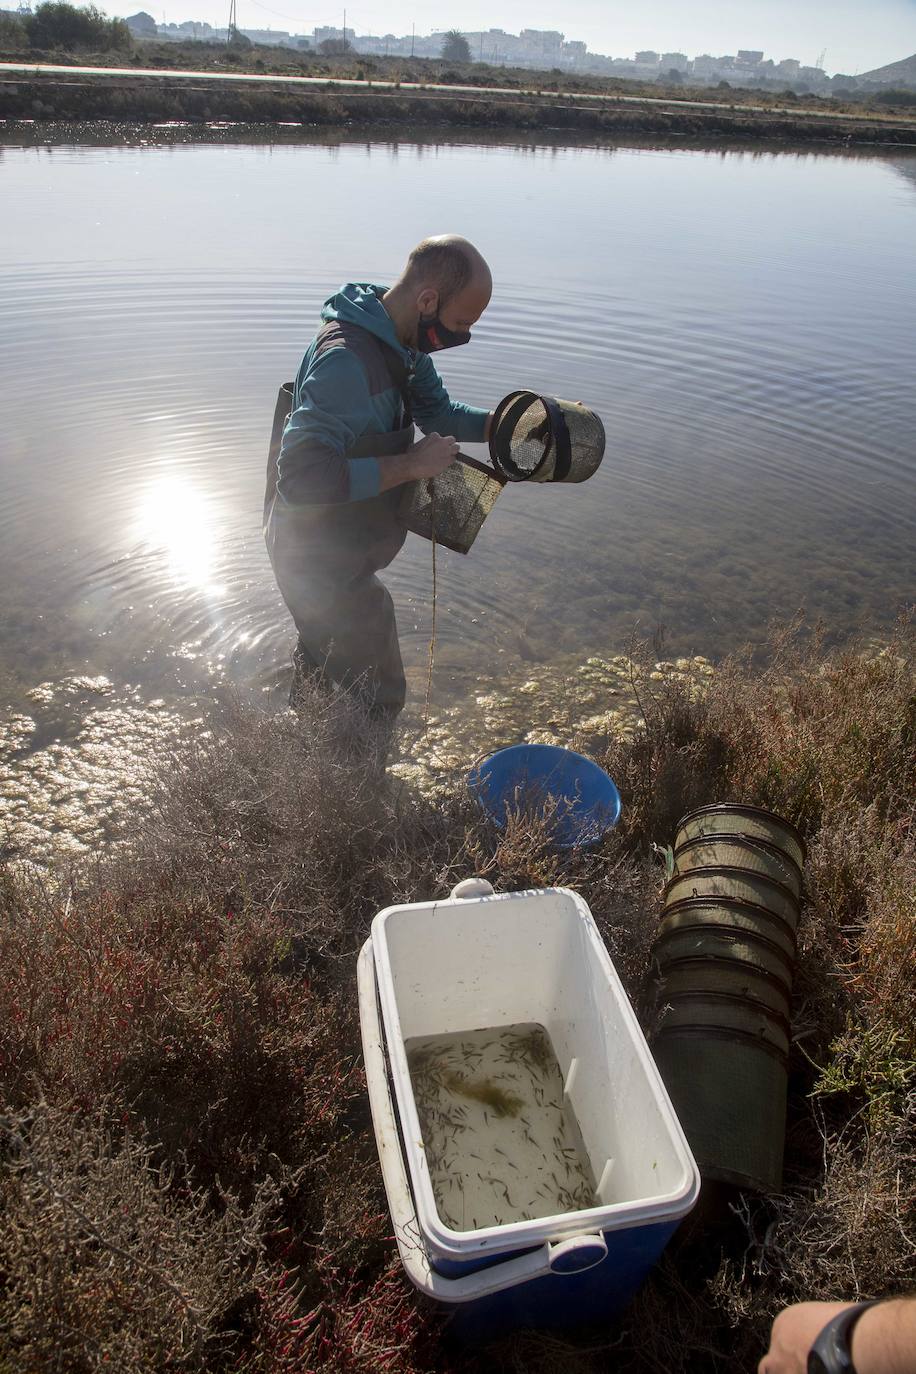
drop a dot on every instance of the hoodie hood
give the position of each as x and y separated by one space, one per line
361 303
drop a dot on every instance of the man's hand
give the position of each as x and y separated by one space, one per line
432 455
794 1332
428 458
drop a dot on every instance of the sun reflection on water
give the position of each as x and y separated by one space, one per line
175 518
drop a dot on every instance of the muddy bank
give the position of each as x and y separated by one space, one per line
76 98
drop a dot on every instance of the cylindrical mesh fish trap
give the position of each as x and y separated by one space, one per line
452 507
541 439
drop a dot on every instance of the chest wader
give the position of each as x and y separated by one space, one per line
325 559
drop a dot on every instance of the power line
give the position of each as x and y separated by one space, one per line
293 18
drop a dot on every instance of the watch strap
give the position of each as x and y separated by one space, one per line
830 1353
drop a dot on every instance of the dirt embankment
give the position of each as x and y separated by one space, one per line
81 97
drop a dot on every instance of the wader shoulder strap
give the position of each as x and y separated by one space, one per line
401 378
330 335
282 412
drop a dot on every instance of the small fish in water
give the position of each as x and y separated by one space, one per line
519 1153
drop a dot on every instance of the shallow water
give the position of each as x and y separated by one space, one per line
742 321
500 1136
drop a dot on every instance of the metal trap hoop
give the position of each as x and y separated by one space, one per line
544 439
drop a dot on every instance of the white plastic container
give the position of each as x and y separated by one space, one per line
483 960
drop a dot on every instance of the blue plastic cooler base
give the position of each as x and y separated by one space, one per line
564 1300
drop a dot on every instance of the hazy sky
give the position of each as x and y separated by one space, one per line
856 34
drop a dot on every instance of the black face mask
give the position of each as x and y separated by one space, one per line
432 335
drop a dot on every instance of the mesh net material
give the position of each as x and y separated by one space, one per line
453 506
539 439
529 442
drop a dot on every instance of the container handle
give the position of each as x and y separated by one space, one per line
413 1253
578 1253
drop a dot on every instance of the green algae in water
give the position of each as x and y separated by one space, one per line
501 1139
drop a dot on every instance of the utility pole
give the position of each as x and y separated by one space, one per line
413 35
345 31
233 22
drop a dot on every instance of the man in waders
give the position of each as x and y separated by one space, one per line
336 476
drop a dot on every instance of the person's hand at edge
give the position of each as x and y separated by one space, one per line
795 1330
883 1340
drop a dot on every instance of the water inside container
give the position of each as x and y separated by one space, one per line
501 1138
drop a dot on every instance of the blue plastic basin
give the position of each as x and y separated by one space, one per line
525 775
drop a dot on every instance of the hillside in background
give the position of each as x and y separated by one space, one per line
895 74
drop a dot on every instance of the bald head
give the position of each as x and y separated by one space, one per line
445 280
447 264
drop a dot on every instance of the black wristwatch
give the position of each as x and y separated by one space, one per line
830 1352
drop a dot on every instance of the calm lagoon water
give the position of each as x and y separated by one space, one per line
742 321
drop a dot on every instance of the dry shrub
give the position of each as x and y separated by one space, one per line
373 1327
107 1264
675 1323
179 1007
870 1066
290 814
283 812
846 864
814 737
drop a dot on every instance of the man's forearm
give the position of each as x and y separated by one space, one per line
884 1338
396 469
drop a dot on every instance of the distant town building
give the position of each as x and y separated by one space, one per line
142 25
268 37
542 40
705 65
538 49
191 30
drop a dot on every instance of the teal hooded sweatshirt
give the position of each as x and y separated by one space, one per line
336 403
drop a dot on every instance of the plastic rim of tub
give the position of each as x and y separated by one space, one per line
526 776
